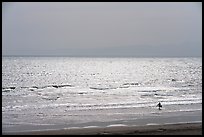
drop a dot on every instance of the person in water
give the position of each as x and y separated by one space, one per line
159 105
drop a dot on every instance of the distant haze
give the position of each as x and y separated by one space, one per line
102 29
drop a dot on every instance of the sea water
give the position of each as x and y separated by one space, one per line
66 91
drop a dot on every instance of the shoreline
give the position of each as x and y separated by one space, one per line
163 129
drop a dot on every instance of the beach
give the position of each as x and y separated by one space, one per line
168 129
175 123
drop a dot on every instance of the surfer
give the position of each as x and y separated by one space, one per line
159 105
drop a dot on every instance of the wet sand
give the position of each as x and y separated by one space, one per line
174 123
168 129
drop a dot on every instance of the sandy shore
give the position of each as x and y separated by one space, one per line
169 129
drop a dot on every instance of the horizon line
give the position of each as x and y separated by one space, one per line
101 56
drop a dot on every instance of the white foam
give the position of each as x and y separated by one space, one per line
71 128
91 127
184 122
116 125
152 124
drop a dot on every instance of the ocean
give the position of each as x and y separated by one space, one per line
59 92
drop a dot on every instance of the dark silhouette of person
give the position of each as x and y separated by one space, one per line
159 105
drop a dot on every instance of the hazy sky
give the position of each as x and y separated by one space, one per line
102 29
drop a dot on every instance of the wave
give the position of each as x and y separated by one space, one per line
102 88
95 106
8 89
133 104
156 90
55 86
135 84
125 85
51 98
5 89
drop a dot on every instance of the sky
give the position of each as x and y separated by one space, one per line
108 29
